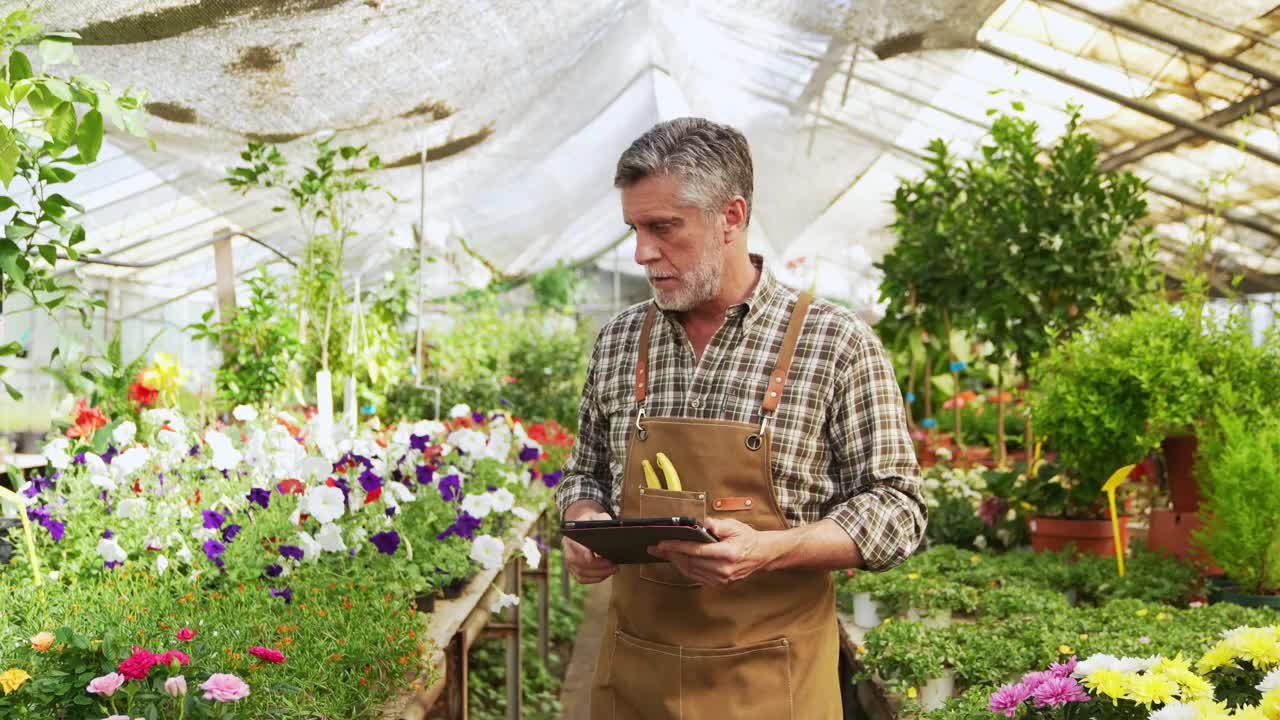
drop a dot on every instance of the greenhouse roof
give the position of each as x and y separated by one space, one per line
523 107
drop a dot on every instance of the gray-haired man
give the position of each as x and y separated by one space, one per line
784 419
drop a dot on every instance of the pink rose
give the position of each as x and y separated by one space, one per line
224 687
269 654
186 634
137 665
176 685
118 717
106 685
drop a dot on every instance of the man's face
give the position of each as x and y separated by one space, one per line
682 253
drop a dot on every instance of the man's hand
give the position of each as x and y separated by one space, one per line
742 551
588 567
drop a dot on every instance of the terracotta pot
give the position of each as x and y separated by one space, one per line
1179 463
1170 533
1092 537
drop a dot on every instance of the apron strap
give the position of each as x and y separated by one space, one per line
642 363
778 380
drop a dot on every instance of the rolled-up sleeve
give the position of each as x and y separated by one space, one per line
879 501
586 473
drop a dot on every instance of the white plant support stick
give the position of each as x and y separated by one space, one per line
324 403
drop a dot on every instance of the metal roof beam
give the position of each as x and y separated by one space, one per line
1139 106
1173 138
1184 45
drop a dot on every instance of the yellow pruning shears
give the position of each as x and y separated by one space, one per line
668 471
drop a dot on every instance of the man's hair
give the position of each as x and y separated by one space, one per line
712 162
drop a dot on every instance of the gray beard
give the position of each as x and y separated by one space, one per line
697 287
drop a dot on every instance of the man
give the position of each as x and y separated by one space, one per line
784 421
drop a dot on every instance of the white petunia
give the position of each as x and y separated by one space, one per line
310 548
225 456
169 438
330 538
130 508
501 500
488 551
111 551
245 413
522 513
1093 664
472 442
124 432
504 601
1175 711
532 553
129 462
430 428
477 506
56 453
162 564
460 410
184 554
400 492
315 468
1270 682
325 503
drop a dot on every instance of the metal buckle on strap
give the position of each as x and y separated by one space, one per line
643 434
755 440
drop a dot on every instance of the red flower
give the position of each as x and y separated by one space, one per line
373 495
268 654
143 395
172 655
292 486
88 420
186 634
137 665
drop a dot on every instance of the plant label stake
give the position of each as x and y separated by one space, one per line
21 502
1109 487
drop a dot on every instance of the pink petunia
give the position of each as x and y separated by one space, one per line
224 687
269 654
107 685
1006 700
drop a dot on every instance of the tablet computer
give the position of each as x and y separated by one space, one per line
626 541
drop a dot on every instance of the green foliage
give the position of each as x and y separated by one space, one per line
51 124
1239 474
555 289
104 380
1018 243
1110 394
978 421
258 343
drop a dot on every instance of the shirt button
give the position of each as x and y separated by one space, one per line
695 404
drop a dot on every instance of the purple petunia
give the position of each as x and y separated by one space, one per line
1006 700
39 485
112 564
477 417
464 527
195 450
78 459
369 481
552 479
1063 669
213 520
419 442
529 454
387 542
450 487
274 570
213 550
56 528
38 513
260 496
425 474
291 551
110 454
1057 691
286 593
107 534
229 533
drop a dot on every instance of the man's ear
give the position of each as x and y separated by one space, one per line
735 217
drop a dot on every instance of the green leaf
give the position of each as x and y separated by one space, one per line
54 174
56 51
89 137
49 253
9 155
1018 105
62 124
19 67
20 91
13 391
58 88
19 229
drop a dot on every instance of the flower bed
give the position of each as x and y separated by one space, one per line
266 551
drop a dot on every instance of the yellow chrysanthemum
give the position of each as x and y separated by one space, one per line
1249 712
1194 687
1171 666
1270 704
12 679
1148 689
1210 710
1219 655
1112 683
1257 645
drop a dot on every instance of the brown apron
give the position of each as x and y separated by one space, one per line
763 647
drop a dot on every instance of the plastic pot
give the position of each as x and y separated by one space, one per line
866 611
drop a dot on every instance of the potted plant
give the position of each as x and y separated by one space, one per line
1240 464
453 567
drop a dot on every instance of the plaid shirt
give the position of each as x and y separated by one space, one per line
840 446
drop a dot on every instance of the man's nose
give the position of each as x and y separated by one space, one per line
646 249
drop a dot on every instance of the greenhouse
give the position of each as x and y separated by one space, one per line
615 359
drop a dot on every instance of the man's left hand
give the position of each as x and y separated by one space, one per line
742 551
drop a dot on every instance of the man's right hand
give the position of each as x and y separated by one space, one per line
588 567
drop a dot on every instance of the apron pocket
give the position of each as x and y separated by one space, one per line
655 502
745 681
644 680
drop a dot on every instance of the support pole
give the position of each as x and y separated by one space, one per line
544 600
514 674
